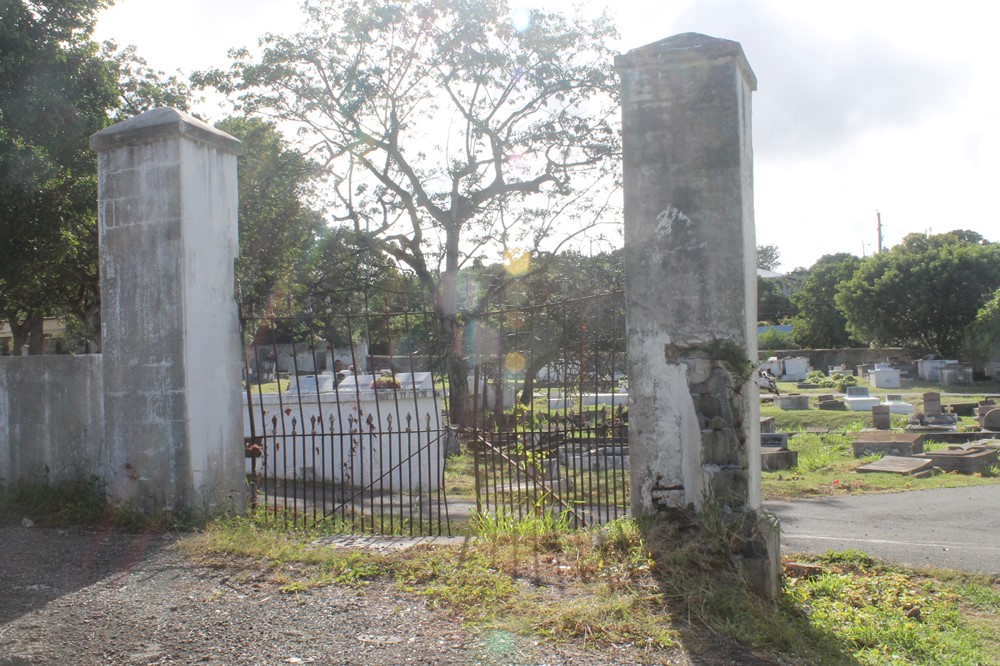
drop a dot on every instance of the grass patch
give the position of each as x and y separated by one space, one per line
653 588
827 467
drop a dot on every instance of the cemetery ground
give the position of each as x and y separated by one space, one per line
826 462
85 584
88 585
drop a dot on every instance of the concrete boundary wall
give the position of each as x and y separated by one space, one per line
51 418
157 417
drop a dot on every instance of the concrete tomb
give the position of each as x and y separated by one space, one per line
858 399
871 442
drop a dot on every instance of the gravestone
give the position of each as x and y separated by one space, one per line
881 417
792 402
991 420
888 443
932 403
688 189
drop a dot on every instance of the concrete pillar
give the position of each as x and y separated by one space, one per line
690 271
167 201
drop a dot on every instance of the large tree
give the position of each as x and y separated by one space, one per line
819 323
923 293
448 126
277 224
57 87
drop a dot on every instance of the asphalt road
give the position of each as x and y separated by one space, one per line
957 528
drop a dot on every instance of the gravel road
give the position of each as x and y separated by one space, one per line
79 597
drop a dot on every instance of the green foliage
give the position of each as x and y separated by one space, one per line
276 224
887 616
837 380
773 339
768 257
819 323
57 88
923 293
773 306
77 503
982 337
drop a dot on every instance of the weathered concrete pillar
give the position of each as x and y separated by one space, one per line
167 199
690 270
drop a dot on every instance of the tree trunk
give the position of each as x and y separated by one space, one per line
36 335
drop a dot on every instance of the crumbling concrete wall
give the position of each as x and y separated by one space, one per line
51 418
690 275
690 272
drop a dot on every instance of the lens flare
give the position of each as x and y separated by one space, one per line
520 18
514 362
517 262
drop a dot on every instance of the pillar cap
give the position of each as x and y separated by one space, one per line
687 47
158 124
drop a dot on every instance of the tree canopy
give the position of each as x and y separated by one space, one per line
58 87
446 127
819 323
277 227
922 293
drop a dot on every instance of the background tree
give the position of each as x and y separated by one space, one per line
982 341
819 323
768 257
773 305
923 293
56 91
277 226
57 87
447 128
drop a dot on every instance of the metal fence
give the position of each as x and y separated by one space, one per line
551 402
349 433
346 418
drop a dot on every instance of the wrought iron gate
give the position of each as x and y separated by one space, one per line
551 402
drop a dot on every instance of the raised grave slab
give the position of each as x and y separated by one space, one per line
888 443
907 466
774 440
969 460
773 459
792 402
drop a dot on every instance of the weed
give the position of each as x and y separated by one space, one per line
70 503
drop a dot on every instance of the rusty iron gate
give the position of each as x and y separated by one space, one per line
345 422
346 419
550 398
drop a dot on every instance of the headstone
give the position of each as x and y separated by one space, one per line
991 420
857 392
932 403
792 402
887 442
881 417
774 439
766 424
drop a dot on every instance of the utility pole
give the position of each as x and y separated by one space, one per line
879 216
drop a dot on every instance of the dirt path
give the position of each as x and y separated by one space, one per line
79 597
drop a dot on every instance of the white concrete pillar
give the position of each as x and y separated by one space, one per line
690 259
167 198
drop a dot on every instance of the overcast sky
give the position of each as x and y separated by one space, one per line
862 105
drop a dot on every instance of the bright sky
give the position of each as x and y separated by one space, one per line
862 105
